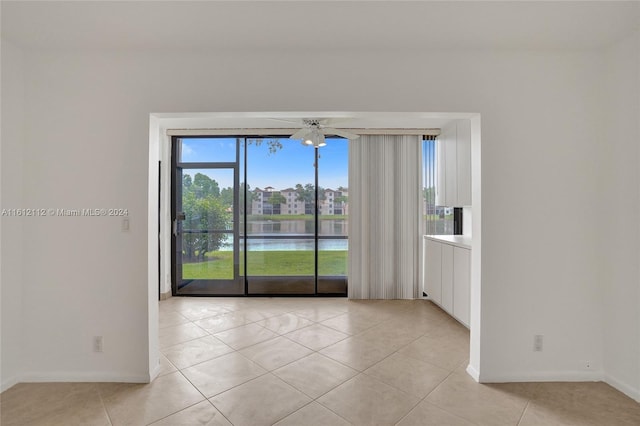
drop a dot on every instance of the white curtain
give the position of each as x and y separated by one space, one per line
384 217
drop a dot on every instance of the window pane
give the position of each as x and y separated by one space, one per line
438 219
208 199
206 150
280 222
333 178
207 228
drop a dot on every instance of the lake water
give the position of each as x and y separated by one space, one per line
259 233
334 227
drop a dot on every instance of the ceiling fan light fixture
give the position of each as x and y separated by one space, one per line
319 140
313 133
315 138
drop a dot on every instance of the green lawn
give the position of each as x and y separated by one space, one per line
268 263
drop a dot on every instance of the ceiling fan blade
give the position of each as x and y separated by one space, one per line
300 133
338 132
333 121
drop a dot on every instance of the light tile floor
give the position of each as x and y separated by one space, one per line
306 362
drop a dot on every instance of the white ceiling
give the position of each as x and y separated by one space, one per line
317 25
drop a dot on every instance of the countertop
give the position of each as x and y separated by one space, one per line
463 241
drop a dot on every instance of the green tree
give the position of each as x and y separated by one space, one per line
226 196
187 181
204 211
250 197
341 199
274 145
305 193
321 194
205 186
277 199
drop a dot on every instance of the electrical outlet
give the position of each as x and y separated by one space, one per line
537 342
97 343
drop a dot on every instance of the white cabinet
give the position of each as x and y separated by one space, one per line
433 270
447 277
453 165
449 164
461 284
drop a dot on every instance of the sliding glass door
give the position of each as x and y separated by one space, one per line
206 255
269 220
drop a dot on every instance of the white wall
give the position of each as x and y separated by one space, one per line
87 118
619 218
86 147
12 95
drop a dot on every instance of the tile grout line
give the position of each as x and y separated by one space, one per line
282 418
317 351
324 406
104 406
523 411
208 398
435 405
232 349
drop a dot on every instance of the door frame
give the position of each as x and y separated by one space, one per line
240 166
177 169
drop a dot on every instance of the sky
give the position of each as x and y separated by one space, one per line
283 169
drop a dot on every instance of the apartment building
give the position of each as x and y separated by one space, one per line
332 202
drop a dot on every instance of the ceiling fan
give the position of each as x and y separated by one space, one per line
314 131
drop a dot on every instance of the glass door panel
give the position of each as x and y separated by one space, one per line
280 218
207 255
333 178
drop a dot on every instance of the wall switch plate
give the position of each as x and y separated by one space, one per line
97 343
125 224
538 342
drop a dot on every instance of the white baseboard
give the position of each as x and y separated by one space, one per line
8 383
625 388
544 376
155 372
60 376
560 376
75 377
473 373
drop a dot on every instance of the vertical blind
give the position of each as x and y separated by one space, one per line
385 235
